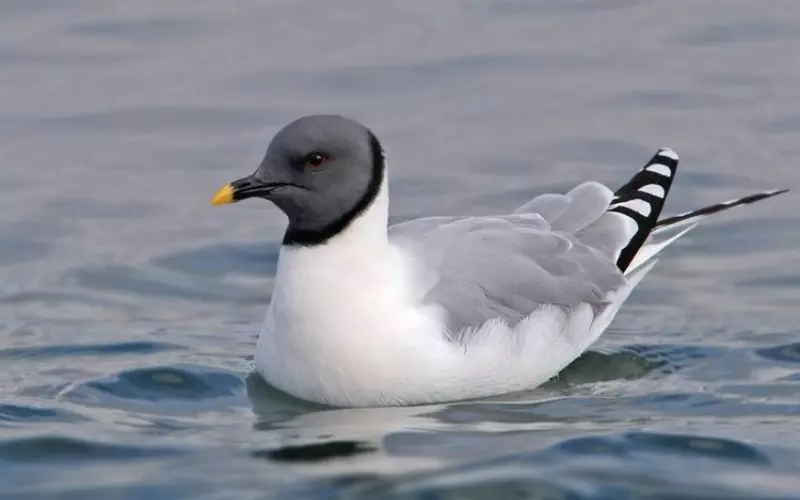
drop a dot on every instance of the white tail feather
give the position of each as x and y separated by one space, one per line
650 250
601 322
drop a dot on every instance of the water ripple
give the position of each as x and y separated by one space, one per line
116 349
646 443
789 353
13 413
60 448
152 283
164 389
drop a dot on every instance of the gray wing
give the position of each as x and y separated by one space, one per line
555 249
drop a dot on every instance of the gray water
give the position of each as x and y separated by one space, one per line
130 307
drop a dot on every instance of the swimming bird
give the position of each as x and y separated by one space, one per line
440 308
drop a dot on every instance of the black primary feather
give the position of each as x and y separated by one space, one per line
642 199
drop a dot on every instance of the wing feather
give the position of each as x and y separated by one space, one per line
587 202
506 267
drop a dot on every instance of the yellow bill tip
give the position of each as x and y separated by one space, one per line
223 196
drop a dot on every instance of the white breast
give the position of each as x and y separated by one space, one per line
342 327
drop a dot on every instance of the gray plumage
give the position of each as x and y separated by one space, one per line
555 249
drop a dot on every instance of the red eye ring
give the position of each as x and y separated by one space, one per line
316 160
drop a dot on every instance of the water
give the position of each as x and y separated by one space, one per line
130 306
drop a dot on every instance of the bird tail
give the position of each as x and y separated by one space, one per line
642 199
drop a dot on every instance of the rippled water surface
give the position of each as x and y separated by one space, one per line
130 307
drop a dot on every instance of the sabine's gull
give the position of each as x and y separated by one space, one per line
440 308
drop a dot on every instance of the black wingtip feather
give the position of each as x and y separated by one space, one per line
642 199
719 207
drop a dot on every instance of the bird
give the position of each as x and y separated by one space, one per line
441 308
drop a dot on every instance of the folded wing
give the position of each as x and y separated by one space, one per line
555 250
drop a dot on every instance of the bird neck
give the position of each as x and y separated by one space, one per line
368 230
363 231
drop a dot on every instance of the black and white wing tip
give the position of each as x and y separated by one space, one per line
695 216
642 199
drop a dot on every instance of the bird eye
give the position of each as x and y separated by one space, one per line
316 160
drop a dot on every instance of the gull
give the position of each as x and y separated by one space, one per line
440 309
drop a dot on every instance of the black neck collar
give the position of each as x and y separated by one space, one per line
308 238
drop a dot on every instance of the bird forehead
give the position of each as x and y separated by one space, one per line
303 138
